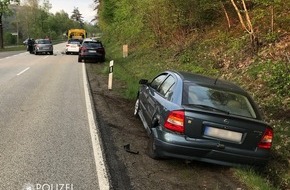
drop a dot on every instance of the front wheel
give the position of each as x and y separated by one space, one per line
137 108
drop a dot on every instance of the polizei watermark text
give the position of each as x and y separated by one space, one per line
47 186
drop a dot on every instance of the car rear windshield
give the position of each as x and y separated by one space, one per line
230 102
74 42
44 41
93 44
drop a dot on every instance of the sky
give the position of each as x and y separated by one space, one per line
86 7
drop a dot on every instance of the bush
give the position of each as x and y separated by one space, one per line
278 77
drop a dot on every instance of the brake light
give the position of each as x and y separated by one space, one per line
175 121
266 141
83 49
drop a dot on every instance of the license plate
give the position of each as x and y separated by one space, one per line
92 51
223 134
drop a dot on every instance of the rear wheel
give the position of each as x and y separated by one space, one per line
103 59
137 107
151 148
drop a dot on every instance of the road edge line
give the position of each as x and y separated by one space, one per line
102 175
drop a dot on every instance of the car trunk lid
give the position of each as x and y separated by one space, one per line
225 129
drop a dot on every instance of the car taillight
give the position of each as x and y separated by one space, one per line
266 141
175 121
83 49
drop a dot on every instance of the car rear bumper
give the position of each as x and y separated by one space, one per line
92 56
72 50
38 50
177 146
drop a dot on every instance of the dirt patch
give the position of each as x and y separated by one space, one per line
135 170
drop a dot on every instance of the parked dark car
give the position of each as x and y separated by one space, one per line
43 46
92 50
194 117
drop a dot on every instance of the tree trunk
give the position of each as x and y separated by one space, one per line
272 18
226 14
1 32
247 24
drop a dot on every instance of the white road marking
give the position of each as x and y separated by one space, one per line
99 160
23 71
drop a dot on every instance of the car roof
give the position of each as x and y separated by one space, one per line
91 40
207 81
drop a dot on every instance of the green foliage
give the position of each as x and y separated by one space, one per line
253 179
9 39
279 78
32 20
4 6
162 21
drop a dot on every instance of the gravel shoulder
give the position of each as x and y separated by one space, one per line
134 169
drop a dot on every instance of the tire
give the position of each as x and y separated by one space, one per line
151 148
103 59
51 53
80 59
137 108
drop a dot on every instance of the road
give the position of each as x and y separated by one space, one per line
48 138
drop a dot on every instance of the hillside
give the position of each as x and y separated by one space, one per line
197 38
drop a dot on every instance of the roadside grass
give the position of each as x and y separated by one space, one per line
13 48
252 179
206 58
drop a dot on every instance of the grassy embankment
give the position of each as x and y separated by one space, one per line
228 57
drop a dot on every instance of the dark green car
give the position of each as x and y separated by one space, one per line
194 117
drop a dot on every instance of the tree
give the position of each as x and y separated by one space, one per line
77 16
4 9
246 23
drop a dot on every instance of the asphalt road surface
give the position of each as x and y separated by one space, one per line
47 135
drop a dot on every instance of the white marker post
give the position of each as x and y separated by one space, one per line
110 82
125 51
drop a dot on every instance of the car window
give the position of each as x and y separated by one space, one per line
74 42
93 44
165 87
234 103
43 41
156 82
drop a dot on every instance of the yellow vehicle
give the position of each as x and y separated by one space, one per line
78 34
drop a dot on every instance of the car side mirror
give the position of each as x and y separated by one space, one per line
143 81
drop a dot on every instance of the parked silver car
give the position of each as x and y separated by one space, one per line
43 46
